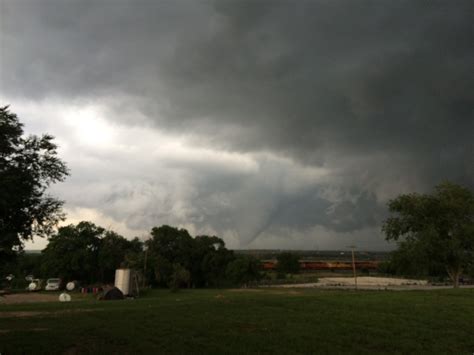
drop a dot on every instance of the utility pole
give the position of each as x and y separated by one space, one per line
353 265
145 247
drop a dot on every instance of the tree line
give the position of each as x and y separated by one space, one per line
170 258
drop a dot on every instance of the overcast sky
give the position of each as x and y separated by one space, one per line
272 124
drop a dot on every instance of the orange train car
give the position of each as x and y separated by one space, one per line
268 265
326 265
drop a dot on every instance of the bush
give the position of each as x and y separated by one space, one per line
179 278
288 263
243 271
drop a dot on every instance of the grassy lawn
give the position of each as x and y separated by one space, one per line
253 321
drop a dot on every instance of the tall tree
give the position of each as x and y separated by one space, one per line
210 258
28 166
114 252
172 252
169 246
437 227
73 252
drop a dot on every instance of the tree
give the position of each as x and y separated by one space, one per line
205 258
180 277
412 260
168 246
114 252
28 166
288 263
438 228
209 261
244 270
88 253
73 252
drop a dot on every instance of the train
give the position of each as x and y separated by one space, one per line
306 265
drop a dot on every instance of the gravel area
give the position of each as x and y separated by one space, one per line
369 283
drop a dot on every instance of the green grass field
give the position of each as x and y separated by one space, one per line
253 321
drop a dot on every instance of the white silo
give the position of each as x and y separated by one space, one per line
122 280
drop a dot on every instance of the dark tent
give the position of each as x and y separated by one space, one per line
112 294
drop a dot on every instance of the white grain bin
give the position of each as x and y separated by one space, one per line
123 278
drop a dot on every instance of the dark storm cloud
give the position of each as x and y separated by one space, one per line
352 78
344 75
379 93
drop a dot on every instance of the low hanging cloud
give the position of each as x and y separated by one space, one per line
270 123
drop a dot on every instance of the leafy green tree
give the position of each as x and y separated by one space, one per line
88 253
114 252
288 263
28 166
180 277
244 270
204 257
162 269
166 247
73 252
24 264
28 264
210 258
412 260
134 256
436 227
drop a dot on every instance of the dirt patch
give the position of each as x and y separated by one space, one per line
370 281
27 298
363 282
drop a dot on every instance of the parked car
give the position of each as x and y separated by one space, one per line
53 284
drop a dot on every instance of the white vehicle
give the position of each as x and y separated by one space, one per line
52 284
